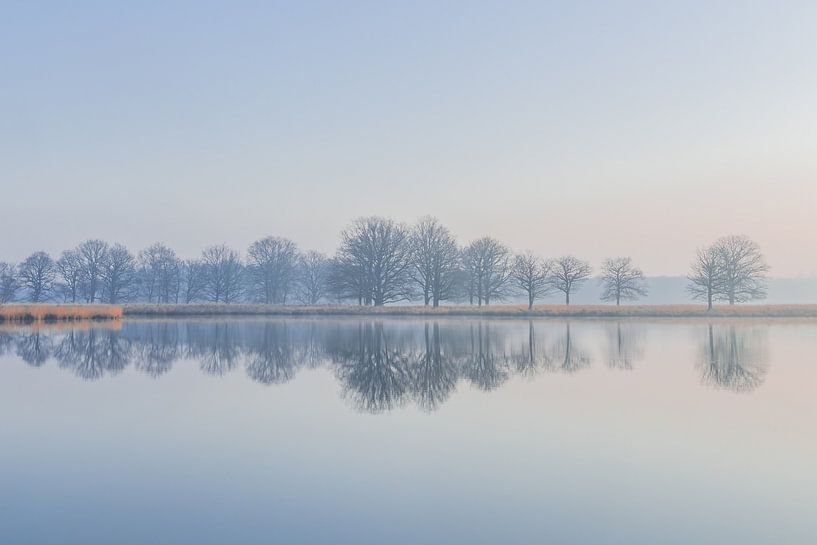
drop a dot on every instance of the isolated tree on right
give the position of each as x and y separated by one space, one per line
621 280
732 270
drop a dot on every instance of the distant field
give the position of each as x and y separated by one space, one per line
503 311
58 313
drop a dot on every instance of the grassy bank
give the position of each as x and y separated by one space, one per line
498 311
33 313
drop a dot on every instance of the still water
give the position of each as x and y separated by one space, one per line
409 432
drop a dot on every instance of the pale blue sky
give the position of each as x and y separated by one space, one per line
593 128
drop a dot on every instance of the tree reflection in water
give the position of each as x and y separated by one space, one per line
568 355
433 374
532 356
93 353
733 357
484 366
271 356
380 365
157 348
625 345
374 375
216 346
34 348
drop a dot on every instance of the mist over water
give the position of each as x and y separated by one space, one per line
401 431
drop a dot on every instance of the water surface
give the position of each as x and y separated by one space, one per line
409 431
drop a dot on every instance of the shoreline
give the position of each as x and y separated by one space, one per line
468 311
55 313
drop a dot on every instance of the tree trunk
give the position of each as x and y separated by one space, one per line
567 298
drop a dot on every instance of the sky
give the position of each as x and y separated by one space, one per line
598 129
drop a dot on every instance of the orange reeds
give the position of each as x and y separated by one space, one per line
58 313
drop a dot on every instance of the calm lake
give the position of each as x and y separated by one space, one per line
409 432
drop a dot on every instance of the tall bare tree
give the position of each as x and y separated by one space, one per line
489 264
743 269
118 272
9 282
37 275
530 272
271 266
69 269
706 275
159 273
193 279
92 255
434 259
374 256
622 280
348 280
312 277
222 274
568 274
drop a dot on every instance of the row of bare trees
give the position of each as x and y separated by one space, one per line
379 261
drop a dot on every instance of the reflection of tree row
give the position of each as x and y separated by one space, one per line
93 353
733 358
380 365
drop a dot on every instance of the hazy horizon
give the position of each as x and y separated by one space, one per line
594 130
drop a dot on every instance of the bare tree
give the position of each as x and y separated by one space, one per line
9 282
530 272
69 269
37 275
347 279
193 277
118 273
434 260
222 274
159 273
312 277
488 262
92 255
743 269
374 257
621 280
706 275
271 266
568 274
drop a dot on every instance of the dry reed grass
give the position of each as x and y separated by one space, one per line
58 313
